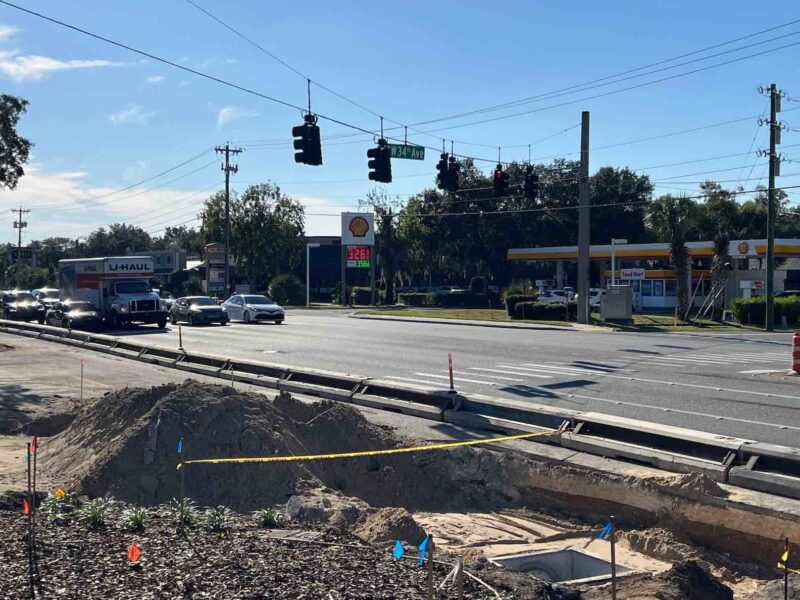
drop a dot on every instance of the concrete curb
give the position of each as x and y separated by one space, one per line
473 323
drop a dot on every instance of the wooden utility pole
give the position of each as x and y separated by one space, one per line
583 223
774 169
228 168
19 225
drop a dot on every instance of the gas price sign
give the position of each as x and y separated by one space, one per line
359 257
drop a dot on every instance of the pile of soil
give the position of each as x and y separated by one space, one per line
387 525
686 580
246 563
124 444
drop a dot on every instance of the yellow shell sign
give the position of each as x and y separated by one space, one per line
359 227
744 248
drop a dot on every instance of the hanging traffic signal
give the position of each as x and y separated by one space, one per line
454 172
443 175
380 163
500 182
530 186
307 143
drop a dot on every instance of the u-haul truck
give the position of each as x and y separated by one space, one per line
118 286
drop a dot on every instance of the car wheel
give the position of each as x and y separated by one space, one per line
162 323
223 322
172 319
246 317
280 322
190 320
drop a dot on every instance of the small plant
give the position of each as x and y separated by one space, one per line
184 511
268 518
95 513
134 519
59 507
217 519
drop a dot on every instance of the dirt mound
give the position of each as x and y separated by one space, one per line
389 524
699 483
686 580
124 444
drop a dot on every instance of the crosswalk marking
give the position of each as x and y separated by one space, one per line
427 383
691 360
478 381
553 368
509 372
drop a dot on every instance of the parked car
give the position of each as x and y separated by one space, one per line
787 293
196 310
449 289
46 296
553 296
595 298
250 308
167 297
75 314
21 306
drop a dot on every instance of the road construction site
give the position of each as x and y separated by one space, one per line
681 532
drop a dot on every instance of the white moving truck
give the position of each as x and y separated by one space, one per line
118 286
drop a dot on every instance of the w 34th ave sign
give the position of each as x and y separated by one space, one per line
406 151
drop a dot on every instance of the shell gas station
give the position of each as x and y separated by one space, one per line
646 268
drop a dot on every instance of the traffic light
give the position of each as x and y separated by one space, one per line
500 182
530 186
307 144
454 171
380 162
443 175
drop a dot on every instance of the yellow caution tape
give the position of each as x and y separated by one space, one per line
782 567
446 446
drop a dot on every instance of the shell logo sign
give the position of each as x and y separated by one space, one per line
359 227
744 248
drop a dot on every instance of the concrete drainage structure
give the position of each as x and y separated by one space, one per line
567 566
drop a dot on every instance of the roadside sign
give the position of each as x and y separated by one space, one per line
358 229
406 151
632 274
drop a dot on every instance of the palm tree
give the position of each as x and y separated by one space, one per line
722 214
668 217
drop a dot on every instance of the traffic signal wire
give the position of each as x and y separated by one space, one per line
343 123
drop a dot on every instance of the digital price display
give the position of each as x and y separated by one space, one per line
358 257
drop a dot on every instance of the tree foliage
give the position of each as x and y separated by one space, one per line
669 218
14 149
118 239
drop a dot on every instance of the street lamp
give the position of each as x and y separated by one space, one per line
309 246
614 243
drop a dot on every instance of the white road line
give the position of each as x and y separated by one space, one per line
744 358
428 383
659 364
496 376
539 367
509 373
459 379
694 361
762 371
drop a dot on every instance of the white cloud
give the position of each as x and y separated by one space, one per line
216 61
154 79
32 67
7 31
185 84
131 115
233 113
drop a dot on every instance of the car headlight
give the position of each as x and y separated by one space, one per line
123 308
12 308
40 307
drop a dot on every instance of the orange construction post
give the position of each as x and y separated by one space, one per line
796 352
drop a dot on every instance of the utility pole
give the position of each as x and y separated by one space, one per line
19 225
583 223
228 168
774 169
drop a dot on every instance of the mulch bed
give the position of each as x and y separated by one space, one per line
75 561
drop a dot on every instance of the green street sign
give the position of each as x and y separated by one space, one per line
406 151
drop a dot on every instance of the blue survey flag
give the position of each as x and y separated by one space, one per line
606 530
180 446
423 547
398 550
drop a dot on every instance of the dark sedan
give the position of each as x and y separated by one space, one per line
21 306
195 310
75 314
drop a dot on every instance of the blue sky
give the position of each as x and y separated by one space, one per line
103 118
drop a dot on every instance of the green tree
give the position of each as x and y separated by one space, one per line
14 149
619 198
186 238
117 240
388 247
668 218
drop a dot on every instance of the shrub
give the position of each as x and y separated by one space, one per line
416 299
544 311
361 295
477 285
268 518
512 301
58 508
95 513
134 519
217 519
523 287
460 300
752 311
287 289
184 511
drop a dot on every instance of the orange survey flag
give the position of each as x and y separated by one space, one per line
134 553
26 509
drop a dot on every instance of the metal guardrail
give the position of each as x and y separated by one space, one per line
746 463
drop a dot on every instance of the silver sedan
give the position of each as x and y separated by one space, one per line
252 308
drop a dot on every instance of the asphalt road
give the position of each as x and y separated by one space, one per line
733 384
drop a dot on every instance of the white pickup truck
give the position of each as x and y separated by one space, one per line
118 286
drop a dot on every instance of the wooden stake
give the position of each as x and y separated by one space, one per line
30 525
613 561
786 571
429 550
460 579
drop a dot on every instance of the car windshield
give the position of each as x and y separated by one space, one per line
257 300
202 302
22 297
132 287
82 306
48 294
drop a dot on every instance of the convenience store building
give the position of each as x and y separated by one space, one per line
646 268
